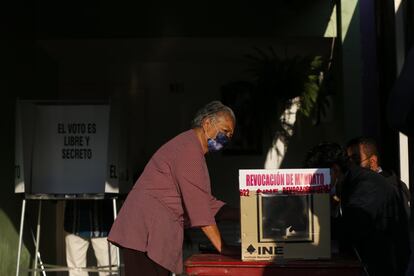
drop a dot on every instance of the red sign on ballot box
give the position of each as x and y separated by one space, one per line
285 180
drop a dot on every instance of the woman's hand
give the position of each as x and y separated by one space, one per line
213 234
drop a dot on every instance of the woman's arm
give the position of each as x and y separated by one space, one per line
213 234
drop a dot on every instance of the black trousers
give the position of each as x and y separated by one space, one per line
137 263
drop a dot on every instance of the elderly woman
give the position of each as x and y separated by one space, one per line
174 187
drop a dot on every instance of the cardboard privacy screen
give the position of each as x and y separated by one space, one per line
69 148
285 214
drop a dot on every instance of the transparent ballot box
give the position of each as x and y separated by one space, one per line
285 218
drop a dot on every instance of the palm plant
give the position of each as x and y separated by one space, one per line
276 84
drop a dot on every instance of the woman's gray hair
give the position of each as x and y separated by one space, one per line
211 110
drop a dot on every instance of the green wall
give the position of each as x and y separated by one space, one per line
10 205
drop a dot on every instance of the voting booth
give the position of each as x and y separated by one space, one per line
65 148
285 214
68 151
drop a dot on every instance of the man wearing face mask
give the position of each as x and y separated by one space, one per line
370 219
363 151
173 191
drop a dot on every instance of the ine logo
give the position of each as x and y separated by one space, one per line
251 249
270 250
266 250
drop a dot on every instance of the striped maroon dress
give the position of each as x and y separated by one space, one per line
174 186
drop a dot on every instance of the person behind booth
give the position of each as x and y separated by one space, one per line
363 152
172 192
368 207
88 222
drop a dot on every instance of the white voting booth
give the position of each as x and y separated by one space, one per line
68 151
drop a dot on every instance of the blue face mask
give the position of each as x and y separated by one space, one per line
217 143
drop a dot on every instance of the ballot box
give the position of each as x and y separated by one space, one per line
285 214
218 265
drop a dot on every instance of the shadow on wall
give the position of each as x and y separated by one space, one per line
267 107
25 69
187 18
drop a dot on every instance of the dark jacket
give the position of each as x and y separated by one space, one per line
372 222
403 193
